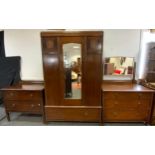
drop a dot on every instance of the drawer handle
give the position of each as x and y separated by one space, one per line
13 105
139 102
32 105
115 113
86 113
31 95
116 102
39 105
11 94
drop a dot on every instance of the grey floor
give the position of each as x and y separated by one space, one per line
20 119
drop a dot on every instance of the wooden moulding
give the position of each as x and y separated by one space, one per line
71 33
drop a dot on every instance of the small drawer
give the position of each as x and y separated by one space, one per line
121 95
126 104
111 115
22 95
110 95
23 106
145 95
128 96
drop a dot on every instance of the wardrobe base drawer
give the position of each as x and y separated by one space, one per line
79 114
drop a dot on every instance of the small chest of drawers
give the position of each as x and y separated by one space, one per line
126 103
27 98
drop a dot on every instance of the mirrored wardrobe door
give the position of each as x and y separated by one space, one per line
72 70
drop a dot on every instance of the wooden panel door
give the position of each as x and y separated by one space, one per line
51 63
86 107
92 71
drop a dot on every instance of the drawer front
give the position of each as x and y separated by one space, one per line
111 115
22 95
23 106
126 95
118 107
73 114
126 104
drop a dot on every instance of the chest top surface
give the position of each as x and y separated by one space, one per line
27 87
127 87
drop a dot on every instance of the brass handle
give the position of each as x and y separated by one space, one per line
86 113
116 102
32 105
13 105
31 95
11 94
115 113
39 104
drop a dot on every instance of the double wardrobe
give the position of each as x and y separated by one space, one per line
73 73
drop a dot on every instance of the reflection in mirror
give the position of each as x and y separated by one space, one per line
72 67
119 66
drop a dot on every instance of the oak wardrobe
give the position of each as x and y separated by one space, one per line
73 72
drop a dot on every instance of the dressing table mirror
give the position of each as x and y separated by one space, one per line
119 68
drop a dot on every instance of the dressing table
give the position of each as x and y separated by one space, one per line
126 101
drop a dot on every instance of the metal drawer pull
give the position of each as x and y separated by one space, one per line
115 113
32 105
11 94
116 102
86 113
31 95
13 105
139 102
39 104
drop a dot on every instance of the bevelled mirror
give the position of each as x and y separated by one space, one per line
72 70
119 68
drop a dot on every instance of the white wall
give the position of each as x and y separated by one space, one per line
121 43
27 44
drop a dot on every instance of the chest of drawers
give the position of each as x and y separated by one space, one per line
27 98
126 103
